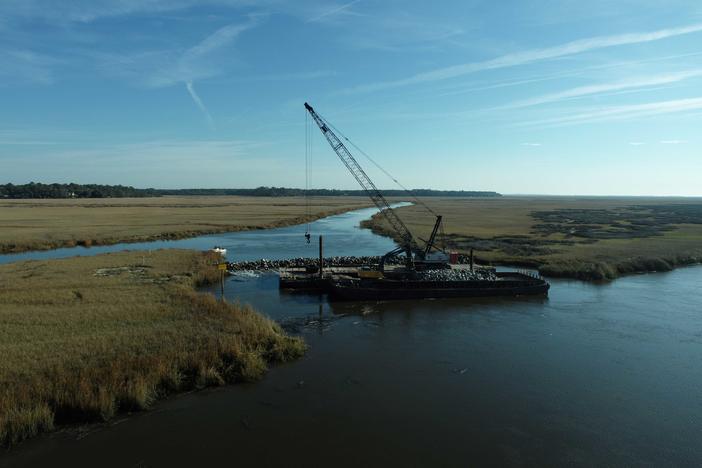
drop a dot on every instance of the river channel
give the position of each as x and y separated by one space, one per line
595 374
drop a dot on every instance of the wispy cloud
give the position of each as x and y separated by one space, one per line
220 38
36 135
85 11
189 65
5 142
530 56
589 90
197 62
673 142
332 11
622 112
454 89
198 102
531 144
25 66
302 76
637 143
168 67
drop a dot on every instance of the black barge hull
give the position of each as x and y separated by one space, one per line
507 284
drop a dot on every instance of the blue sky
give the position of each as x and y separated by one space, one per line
548 97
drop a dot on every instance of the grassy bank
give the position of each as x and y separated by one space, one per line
49 224
84 338
596 238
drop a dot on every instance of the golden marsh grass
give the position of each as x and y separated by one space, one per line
84 338
48 224
505 231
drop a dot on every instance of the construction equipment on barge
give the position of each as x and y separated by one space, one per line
415 257
419 277
352 283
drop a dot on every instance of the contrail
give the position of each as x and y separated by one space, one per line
531 56
332 11
198 102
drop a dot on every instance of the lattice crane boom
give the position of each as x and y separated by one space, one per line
407 242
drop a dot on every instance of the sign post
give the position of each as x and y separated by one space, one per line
222 270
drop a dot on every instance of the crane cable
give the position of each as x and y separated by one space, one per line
408 191
308 155
442 234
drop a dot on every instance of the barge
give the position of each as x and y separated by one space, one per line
429 271
506 284
347 284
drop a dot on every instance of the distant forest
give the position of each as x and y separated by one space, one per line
296 192
37 190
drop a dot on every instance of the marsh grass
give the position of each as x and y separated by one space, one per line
49 224
613 236
78 346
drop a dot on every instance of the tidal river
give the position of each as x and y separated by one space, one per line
593 375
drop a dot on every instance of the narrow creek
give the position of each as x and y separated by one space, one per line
592 375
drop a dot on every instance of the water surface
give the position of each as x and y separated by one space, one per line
342 234
593 375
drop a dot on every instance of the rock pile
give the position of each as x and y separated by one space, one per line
457 275
264 264
302 262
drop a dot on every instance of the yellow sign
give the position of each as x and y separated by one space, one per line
222 266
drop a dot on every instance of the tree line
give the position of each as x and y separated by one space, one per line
297 192
38 190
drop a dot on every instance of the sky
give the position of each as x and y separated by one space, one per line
530 97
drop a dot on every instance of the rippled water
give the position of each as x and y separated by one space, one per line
593 375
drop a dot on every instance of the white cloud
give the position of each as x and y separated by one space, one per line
623 112
637 143
461 88
673 142
530 56
332 11
531 144
603 88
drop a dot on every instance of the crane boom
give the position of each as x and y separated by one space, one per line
406 238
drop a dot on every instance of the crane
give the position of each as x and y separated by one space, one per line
406 241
